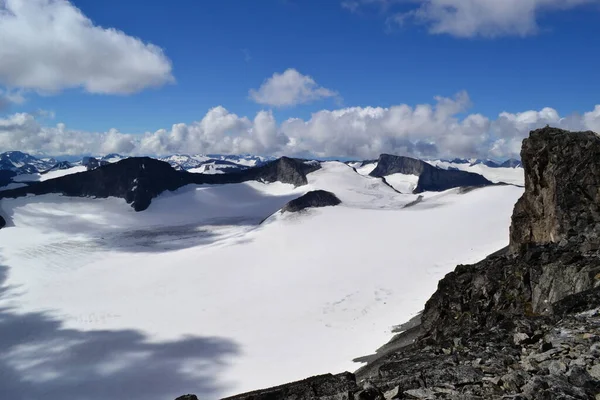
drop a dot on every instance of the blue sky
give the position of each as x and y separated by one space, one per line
357 50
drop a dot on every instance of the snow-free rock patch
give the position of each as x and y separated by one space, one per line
315 198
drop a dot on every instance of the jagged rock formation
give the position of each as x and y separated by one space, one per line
312 199
562 200
430 178
525 322
139 179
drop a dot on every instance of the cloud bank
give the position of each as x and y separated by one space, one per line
49 45
441 129
470 18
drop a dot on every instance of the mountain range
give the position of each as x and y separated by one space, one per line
327 253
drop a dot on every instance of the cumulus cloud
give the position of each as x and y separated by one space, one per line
49 45
471 18
441 129
289 89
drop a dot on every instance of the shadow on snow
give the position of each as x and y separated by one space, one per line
40 359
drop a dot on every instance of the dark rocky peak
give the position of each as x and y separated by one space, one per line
430 178
312 199
561 203
487 163
92 163
389 164
137 180
284 169
111 156
511 163
59 166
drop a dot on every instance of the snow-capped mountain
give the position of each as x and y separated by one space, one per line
216 162
24 163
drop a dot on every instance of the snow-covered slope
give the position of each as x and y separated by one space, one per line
192 295
49 175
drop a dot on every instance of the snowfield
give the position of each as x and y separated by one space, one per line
194 296
49 175
514 176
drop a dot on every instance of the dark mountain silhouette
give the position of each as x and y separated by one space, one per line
139 179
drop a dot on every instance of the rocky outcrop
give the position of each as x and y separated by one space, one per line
285 170
323 387
562 190
525 322
430 178
2 222
312 199
140 179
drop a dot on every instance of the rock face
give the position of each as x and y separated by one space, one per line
562 190
2 222
430 178
525 322
140 179
315 198
323 387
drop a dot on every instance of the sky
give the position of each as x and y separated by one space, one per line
325 78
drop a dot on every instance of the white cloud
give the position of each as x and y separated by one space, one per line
289 89
49 45
471 18
442 129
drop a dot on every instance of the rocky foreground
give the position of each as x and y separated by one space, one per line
522 324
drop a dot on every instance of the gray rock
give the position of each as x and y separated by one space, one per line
557 367
594 371
323 387
562 182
